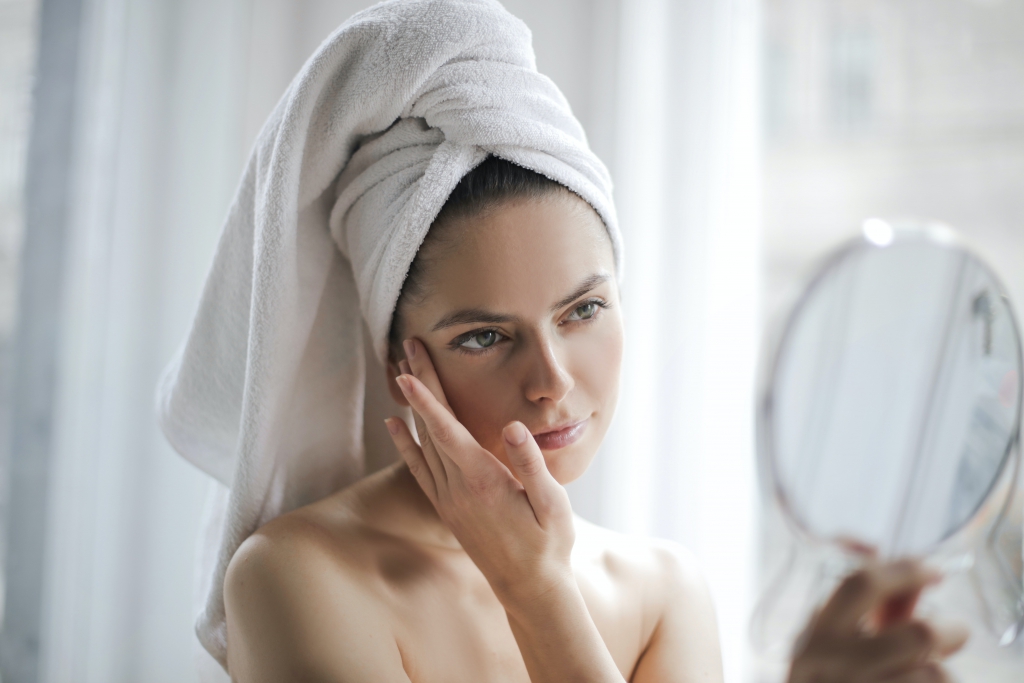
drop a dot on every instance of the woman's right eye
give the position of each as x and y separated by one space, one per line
480 340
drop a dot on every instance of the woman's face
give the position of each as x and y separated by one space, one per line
521 319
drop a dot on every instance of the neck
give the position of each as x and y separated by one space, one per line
419 517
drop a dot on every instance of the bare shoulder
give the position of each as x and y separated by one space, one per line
678 632
300 605
293 554
660 566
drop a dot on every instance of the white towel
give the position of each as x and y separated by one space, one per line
398 104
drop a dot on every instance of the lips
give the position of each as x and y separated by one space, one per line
561 437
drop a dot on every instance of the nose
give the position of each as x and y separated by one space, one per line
547 379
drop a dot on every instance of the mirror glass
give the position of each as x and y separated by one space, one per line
894 392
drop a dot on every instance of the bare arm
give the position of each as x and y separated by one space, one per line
290 617
516 527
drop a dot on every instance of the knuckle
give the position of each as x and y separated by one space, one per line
530 464
930 673
416 467
920 635
826 670
907 566
552 503
857 584
480 487
443 434
421 473
542 506
421 430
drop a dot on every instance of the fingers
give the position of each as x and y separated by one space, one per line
914 642
896 609
866 591
413 457
547 497
898 647
418 363
950 636
439 464
453 442
867 629
925 673
441 425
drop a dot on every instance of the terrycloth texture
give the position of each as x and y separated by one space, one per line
267 394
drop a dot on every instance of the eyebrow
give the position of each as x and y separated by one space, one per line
585 286
480 315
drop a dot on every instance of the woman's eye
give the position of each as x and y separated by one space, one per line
480 340
584 311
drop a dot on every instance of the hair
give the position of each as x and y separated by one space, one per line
493 182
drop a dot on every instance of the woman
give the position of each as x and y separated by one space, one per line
500 329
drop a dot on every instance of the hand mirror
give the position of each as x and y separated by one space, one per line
891 401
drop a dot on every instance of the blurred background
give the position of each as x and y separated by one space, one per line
745 137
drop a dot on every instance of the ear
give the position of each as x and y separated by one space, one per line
396 393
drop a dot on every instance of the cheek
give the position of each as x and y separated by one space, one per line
597 359
597 364
482 399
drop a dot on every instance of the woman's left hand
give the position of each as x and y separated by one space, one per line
515 525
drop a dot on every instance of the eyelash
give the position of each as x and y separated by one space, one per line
457 343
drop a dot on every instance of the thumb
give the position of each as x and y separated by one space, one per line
547 497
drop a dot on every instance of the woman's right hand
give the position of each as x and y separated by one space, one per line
866 631
515 524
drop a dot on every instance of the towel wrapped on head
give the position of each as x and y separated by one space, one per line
268 393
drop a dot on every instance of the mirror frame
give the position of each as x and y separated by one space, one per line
876 234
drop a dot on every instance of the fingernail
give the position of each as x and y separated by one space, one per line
410 348
403 383
392 425
515 433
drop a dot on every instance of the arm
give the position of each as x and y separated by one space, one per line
290 617
517 528
558 639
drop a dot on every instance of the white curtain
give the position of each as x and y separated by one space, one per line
679 461
172 93
157 155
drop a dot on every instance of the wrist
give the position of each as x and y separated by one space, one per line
557 637
544 596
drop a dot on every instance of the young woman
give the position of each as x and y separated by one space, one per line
423 190
464 562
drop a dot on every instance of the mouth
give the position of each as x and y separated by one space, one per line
563 436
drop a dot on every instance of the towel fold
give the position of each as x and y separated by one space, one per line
268 392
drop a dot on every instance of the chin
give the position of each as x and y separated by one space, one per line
568 464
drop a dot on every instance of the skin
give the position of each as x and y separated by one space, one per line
464 562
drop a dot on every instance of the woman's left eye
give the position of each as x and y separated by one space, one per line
584 311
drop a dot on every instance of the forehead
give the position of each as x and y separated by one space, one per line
519 254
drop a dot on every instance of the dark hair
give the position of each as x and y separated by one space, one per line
491 183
